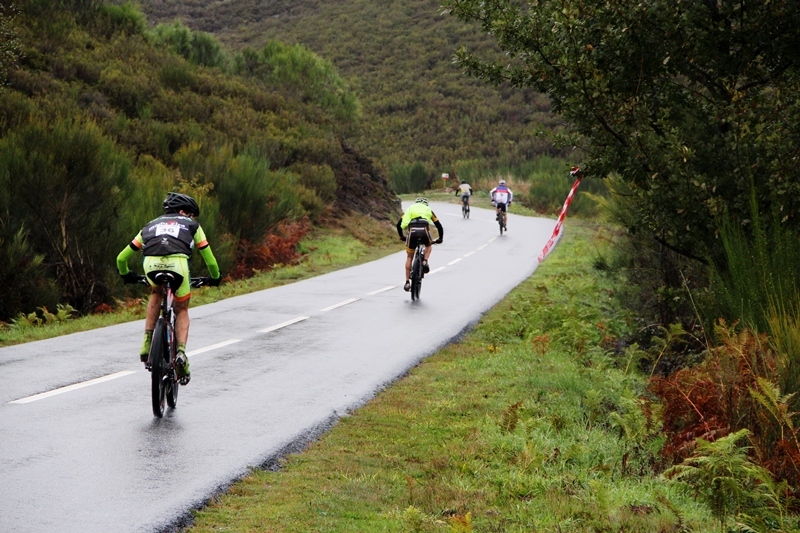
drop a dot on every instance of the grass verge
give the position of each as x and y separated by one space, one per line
529 423
354 240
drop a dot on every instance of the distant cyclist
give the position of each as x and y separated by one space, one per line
417 219
167 244
501 198
465 190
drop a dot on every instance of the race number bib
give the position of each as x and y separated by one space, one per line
171 229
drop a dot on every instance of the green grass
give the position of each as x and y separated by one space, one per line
528 424
324 250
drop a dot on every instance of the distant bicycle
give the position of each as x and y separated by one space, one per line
161 363
417 272
500 222
465 206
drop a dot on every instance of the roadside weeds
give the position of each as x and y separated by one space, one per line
534 421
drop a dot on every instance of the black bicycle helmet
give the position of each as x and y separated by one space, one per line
176 201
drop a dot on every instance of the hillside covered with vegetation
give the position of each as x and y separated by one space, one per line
417 106
101 115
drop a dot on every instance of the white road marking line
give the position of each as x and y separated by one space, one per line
390 287
482 247
435 271
454 261
284 324
213 347
340 304
69 388
469 254
492 239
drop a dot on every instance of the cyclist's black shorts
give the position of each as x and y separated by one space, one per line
418 232
502 207
465 198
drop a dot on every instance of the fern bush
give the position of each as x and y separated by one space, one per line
721 475
733 390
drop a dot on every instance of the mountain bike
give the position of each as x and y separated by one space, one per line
417 270
161 363
465 206
500 221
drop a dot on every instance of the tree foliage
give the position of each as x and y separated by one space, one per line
397 57
692 104
102 117
9 45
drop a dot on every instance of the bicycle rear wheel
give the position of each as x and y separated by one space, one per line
158 369
416 276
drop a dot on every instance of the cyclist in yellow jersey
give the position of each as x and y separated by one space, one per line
465 191
167 244
416 220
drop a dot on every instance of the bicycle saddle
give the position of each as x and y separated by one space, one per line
166 277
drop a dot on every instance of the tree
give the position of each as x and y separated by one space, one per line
9 44
61 187
692 104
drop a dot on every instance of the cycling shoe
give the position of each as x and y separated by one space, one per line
182 362
407 286
425 267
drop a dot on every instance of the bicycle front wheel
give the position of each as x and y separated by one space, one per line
158 369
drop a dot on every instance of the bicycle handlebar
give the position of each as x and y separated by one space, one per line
193 282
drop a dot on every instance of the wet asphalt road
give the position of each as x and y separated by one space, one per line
270 371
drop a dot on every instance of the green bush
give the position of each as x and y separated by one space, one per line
318 178
131 93
408 178
295 69
177 76
64 181
125 18
22 274
198 48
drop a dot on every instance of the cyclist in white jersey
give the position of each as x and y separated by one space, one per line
501 198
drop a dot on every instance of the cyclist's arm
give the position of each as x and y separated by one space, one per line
211 261
122 259
439 227
205 251
400 228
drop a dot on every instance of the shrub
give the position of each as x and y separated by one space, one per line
64 182
124 18
296 70
318 178
733 389
22 274
198 48
407 178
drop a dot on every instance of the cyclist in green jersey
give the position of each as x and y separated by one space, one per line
166 243
417 219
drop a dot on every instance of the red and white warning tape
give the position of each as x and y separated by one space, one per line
576 171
